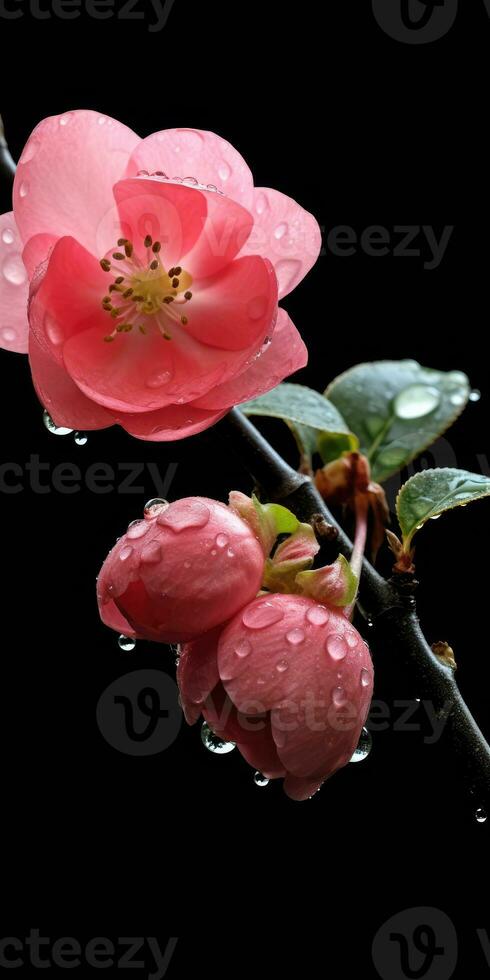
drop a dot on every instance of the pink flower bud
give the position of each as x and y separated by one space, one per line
181 571
290 681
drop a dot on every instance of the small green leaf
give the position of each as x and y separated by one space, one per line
284 520
334 585
306 412
431 492
397 409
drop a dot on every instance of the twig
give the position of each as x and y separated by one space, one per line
391 608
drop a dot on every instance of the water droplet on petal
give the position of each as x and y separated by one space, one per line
222 540
351 638
155 506
30 151
213 743
187 564
80 438
457 399
56 430
286 271
435 517
295 637
475 395
64 120
151 553
8 335
364 746
261 204
416 401
365 677
282 666
137 529
14 270
214 552
339 697
243 648
480 815
230 553
317 615
336 646
257 307
281 230
224 171
7 236
53 330
24 189
126 643
260 780
125 553
159 379
258 616
184 514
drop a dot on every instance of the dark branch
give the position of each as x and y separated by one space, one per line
391 608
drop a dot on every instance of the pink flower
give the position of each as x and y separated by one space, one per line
153 298
289 681
184 569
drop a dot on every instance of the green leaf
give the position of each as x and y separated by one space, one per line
306 412
431 492
335 585
397 409
284 520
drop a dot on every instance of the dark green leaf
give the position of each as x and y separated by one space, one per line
431 492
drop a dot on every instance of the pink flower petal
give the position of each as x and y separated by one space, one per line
235 309
199 154
287 234
57 392
197 673
224 234
169 424
260 751
67 299
299 789
285 354
65 177
14 288
36 251
172 214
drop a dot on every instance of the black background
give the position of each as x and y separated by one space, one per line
362 130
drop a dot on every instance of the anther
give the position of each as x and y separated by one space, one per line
119 280
119 256
128 293
175 283
106 265
157 246
188 295
177 271
184 320
154 265
128 248
148 241
121 242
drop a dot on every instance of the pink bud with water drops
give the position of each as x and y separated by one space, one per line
183 569
289 681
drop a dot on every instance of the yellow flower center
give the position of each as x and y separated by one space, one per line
143 289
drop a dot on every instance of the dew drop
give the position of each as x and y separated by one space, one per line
365 677
286 272
125 553
222 540
151 553
214 552
457 377
80 439
137 529
213 743
257 307
230 553
56 430
364 746
260 780
224 171
243 649
475 395
295 637
155 506
187 564
336 646
281 230
480 815
317 615
282 666
8 335
14 270
64 120
259 615
435 517
351 640
7 236
53 330
457 399
416 401
261 204
126 643
339 697
184 514
30 151
159 379
102 120
24 189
